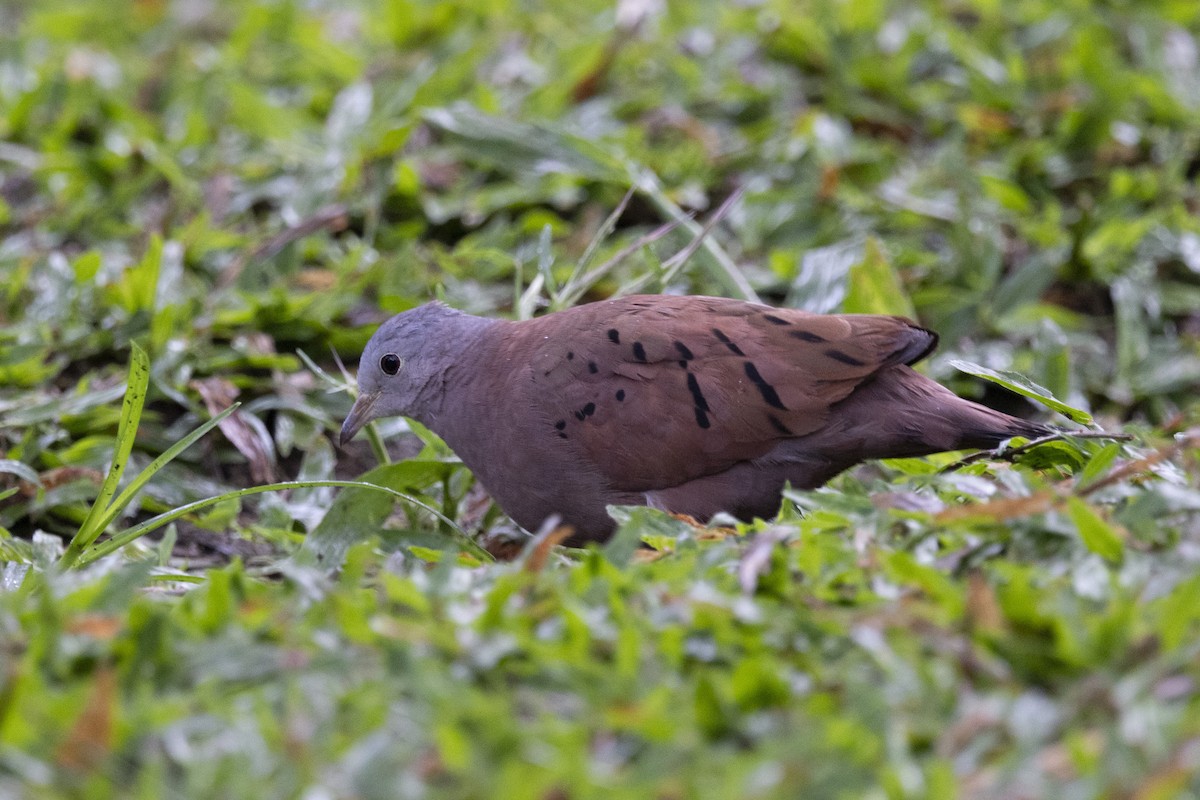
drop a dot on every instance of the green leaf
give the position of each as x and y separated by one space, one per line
947 594
525 146
360 510
637 523
1098 464
873 287
711 714
1097 535
138 287
1026 388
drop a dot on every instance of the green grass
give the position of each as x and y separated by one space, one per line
204 205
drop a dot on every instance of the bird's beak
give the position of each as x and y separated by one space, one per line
359 415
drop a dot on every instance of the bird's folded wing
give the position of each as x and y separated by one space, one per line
653 393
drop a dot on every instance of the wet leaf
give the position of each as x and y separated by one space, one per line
1023 386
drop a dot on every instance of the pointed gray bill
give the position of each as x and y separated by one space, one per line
359 415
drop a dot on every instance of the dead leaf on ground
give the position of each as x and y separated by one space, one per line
90 739
246 433
544 544
999 510
96 626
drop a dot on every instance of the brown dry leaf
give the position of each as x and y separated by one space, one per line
593 80
998 510
430 765
218 394
53 478
831 176
317 280
503 549
703 532
257 343
90 739
983 610
546 542
97 626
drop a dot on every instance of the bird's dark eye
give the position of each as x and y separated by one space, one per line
390 363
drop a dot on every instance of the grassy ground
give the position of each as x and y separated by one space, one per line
210 202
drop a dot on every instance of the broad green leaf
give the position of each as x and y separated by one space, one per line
1098 464
1023 386
1097 535
358 512
711 714
947 594
873 287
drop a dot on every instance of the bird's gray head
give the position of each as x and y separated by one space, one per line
401 367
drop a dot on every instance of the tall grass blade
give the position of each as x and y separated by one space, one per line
131 415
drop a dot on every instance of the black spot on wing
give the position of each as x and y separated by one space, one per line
592 368
684 351
838 355
620 395
562 423
807 336
769 395
778 425
585 412
725 340
571 356
698 402
613 336
774 320
639 352
697 395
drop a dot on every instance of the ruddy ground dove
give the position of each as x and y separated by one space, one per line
691 404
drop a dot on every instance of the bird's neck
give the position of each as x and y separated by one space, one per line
466 352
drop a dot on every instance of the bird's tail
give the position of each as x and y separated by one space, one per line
903 413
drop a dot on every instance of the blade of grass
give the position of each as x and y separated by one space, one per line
128 535
676 262
572 284
131 414
569 298
545 257
154 466
724 268
316 369
375 439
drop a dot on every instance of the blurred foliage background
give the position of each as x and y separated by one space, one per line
246 188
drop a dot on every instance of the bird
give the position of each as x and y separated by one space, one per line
694 405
